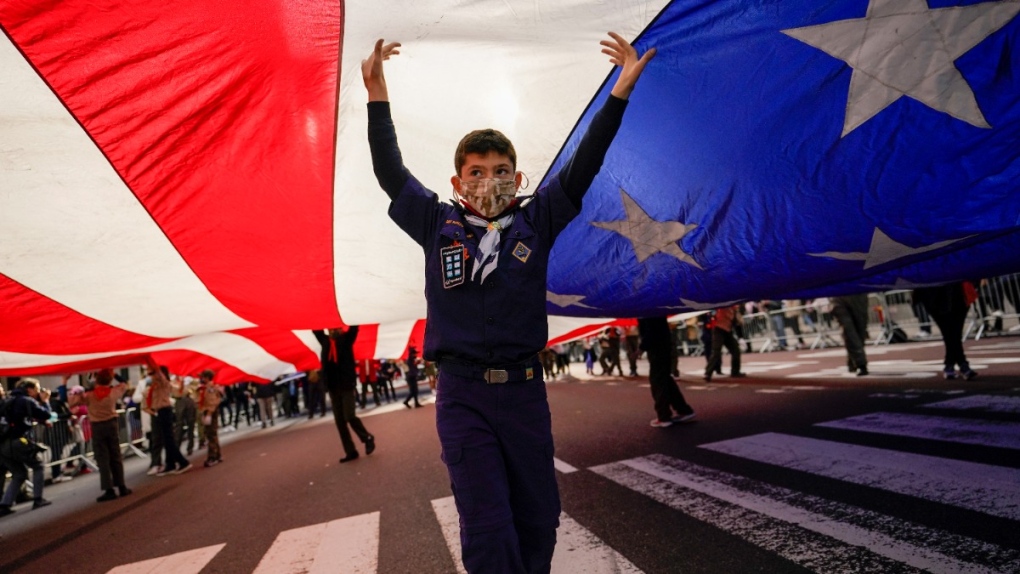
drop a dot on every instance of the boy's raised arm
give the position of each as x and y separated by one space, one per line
622 54
372 70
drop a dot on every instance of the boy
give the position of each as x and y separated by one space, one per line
486 260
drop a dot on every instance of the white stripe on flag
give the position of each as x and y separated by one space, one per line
392 339
986 433
188 562
819 534
349 545
988 403
577 549
985 488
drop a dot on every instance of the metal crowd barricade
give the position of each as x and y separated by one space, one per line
69 441
757 331
998 306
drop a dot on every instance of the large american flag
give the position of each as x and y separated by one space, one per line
192 178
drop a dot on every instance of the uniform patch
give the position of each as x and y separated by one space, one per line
452 259
522 252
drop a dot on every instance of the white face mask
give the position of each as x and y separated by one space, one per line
489 197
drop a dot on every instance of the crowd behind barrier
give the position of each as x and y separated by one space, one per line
893 318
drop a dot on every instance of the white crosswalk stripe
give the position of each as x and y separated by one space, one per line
188 562
981 487
349 545
577 549
967 431
819 534
986 403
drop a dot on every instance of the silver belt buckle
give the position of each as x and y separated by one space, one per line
496 376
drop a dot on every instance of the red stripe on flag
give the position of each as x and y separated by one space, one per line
284 345
34 324
364 346
221 119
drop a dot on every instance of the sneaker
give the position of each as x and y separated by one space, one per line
969 374
349 457
684 418
209 463
124 491
863 372
949 374
164 471
183 469
63 478
107 496
661 424
153 470
370 445
40 502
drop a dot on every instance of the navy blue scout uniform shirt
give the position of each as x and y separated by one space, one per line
503 320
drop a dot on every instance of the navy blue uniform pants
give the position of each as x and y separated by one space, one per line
498 448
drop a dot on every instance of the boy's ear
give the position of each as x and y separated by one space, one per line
517 179
455 182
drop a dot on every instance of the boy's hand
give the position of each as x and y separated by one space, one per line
372 70
622 54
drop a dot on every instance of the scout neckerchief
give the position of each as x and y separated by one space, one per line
101 391
488 247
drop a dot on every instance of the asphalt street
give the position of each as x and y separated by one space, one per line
801 467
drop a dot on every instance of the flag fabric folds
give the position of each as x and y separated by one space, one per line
193 179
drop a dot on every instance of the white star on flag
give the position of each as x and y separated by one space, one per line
647 235
903 48
883 250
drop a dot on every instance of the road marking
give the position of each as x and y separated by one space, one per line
563 467
987 403
982 487
577 549
986 433
189 562
819 534
349 545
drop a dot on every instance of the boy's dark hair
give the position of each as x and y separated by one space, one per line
482 142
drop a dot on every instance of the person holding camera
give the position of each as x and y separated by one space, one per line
18 450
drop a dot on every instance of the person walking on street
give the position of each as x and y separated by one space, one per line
25 404
726 320
852 313
486 258
157 400
338 370
102 404
208 404
670 406
948 306
411 376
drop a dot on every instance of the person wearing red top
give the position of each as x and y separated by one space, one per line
726 319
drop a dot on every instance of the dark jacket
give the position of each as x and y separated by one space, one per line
339 371
21 411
